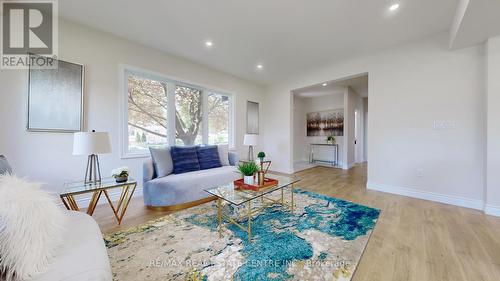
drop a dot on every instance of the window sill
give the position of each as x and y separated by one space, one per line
133 156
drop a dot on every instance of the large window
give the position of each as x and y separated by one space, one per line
161 111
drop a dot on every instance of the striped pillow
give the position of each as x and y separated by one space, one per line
185 159
208 157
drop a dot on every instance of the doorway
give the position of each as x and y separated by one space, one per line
330 110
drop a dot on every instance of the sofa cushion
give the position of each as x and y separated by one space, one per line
4 166
185 159
223 154
187 187
208 157
83 256
162 161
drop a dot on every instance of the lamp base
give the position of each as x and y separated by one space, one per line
93 172
250 153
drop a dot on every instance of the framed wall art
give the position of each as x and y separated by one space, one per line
55 98
325 123
252 117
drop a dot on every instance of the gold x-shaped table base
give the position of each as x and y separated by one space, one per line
120 209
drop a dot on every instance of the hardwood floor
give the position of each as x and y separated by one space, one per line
413 239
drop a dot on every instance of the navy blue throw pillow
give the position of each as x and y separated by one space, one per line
184 158
208 157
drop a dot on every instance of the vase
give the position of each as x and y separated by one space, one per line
248 180
121 179
260 177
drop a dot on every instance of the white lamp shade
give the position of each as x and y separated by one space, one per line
87 143
251 139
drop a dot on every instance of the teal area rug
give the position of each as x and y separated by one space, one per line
322 240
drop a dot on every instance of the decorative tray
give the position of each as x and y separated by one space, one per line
239 184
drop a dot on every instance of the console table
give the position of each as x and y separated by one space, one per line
335 155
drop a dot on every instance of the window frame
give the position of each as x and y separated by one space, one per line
125 71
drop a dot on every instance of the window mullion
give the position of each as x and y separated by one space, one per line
231 129
170 114
204 121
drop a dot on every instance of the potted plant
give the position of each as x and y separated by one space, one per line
330 139
248 169
261 155
120 174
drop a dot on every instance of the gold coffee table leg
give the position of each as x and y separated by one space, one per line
250 221
282 198
291 207
219 216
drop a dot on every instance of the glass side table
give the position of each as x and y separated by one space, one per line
72 189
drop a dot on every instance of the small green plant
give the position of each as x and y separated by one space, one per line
248 168
261 155
330 139
120 172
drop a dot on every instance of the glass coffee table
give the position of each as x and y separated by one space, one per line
238 197
71 189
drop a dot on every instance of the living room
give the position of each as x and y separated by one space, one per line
168 145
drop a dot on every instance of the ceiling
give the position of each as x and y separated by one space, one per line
475 22
288 37
358 84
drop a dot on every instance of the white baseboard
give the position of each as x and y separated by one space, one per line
84 200
349 165
427 195
492 210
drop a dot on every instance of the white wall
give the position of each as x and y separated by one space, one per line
47 157
493 137
300 144
301 141
410 86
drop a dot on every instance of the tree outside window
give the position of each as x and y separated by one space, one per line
218 119
147 113
188 116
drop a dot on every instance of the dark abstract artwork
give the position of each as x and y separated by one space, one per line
325 123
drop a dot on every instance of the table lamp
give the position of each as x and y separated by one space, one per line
251 140
91 144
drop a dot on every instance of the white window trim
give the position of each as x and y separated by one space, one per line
125 70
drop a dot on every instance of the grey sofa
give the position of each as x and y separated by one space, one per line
177 191
83 255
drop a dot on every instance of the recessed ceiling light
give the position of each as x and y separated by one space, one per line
209 43
260 66
324 84
394 7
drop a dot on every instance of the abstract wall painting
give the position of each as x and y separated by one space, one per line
325 123
55 98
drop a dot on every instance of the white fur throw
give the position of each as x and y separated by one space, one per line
31 228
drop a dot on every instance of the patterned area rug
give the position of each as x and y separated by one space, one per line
322 240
